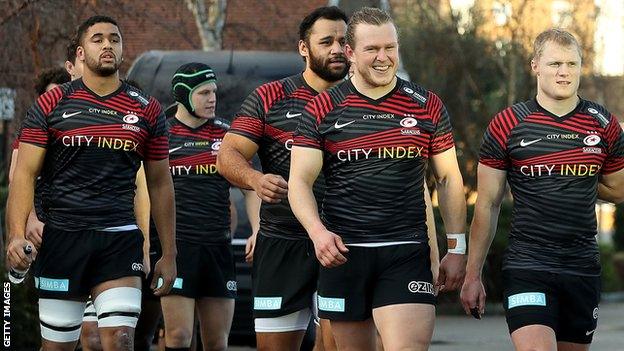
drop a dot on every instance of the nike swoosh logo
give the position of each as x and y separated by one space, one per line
292 115
67 115
590 332
338 125
175 149
527 143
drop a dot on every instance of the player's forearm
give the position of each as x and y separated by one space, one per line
252 207
19 204
614 195
303 204
142 204
452 203
431 230
236 169
482 233
163 211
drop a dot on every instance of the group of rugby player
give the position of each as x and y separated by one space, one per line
367 220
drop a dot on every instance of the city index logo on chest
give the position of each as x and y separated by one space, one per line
380 152
100 141
566 170
205 169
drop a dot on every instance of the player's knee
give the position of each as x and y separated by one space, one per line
118 307
123 338
61 320
90 337
215 342
178 336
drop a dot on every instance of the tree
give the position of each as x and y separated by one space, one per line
209 21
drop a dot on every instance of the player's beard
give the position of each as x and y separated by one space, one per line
95 65
320 66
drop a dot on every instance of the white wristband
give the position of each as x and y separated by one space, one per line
456 243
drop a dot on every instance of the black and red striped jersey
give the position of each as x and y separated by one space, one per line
269 117
95 145
374 155
553 166
202 195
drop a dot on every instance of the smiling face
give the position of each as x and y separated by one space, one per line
558 71
101 49
375 54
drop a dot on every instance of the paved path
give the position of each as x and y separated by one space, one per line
461 333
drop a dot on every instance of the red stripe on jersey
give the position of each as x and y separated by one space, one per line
380 139
208 157
301 140
249 125
614 165
157 148
34 136
434 106
501 126
566 156
278 134
568 125
442 143
109 103
204 133
15 144
48 100
494 163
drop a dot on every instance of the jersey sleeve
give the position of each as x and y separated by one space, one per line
35 129
249 121
442 138
493 152
307 133
16 136
615 147
157 142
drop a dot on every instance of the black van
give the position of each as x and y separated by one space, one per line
238 74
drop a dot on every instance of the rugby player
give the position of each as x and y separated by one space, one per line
88 138
555 151
371 136
206 279
285 271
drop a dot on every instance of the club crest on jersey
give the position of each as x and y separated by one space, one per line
130 118
591 140
408 122
216 146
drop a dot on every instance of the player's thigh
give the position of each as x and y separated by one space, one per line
569 346
326 335
534 337
405 326
354 335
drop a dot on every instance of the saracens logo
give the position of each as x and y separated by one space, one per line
137 267
130 118
216 146
408 122
591 140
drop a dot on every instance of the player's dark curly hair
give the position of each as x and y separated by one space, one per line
56 75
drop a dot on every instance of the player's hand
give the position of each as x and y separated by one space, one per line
452 272
164 269
329 248
271 188
34 230
473 295
16 257
249 247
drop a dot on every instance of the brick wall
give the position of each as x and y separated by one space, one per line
265 25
